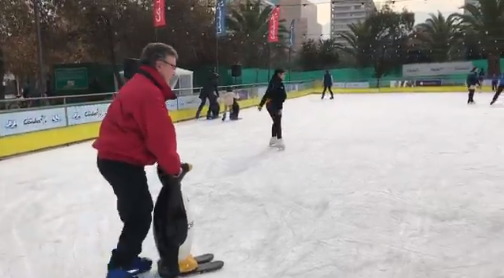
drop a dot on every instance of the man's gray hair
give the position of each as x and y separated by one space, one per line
156 51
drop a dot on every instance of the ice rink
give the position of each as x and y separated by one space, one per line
369 186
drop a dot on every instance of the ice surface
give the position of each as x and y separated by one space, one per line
378 186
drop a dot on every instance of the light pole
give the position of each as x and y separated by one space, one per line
36 9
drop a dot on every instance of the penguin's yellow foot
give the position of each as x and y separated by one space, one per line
188 264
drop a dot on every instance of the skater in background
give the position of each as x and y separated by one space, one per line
137 131
229 99
328 82
495 81
274 98
472 81
210 91
498 91
481 78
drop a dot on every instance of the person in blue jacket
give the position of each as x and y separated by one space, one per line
472 81
498 91
328 82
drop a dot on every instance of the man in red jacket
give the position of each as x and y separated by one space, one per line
137 131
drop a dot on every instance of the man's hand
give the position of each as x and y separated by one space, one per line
167 179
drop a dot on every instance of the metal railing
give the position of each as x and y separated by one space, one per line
22 104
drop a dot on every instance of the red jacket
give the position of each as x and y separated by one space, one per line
137 128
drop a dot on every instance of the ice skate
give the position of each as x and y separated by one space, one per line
279 144
165 271
272 141
139 266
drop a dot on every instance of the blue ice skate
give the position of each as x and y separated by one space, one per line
139 266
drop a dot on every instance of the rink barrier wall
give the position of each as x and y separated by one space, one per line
17 144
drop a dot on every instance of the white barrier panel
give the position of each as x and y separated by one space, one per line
261 91
83 114
434 69
188 102
171 105
351 85
357 85
29 121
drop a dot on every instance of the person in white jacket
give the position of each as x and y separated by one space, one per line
229 99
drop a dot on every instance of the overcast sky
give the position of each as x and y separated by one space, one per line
421 8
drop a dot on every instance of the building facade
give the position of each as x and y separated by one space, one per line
346 12
304 14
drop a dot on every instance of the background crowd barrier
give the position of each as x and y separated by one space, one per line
24 130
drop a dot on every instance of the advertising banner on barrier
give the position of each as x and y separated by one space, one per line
401 83
83 114
171 105
360 85
242 94
188 102
425 83
29 121
433 69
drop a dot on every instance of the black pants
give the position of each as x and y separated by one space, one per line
134 204
200 107
213 109
276 116
497 93
325 89
471 96
235 110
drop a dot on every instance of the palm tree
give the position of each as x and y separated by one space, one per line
317 55
361 42
440 35
247 25
380 41
485 21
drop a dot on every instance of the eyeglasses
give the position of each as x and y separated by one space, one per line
168 63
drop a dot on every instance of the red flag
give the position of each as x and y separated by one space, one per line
159 13
273 25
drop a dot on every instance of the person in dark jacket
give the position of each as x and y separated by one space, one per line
472 81
495 81
210 91
328 82
137 131
274 98
499 89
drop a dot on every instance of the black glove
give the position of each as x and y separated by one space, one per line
167 179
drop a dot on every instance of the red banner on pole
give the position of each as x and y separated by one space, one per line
159 13
273 25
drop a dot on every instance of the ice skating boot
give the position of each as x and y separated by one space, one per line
272 141
279 144
167 271
139 266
